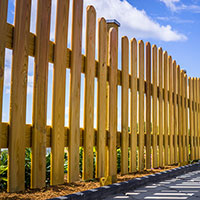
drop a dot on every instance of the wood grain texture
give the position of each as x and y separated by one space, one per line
175 112
101 102
148 105
133 143
113 52
124 103
171 117
16 161
58 102
74 104
38 169
89 94
3 17
154 105
160 63
166 75
141 105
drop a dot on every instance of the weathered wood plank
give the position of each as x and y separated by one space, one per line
59 82
141 105
133 167
89 94
101 102
38 169
74 105
148 105
16 161
160 63
124 103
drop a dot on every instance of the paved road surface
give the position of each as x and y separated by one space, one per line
186 186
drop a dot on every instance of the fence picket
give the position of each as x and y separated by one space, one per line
74 116
186 113
112 167
124 103
38 169
165 56
148 105
16 161
89 94
183 117
59 81
141 105
179 114
101 102
191 118
133 167
171 122
154 108
160 59
198 110
175 73
195 118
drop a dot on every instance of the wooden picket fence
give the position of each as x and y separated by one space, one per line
164 105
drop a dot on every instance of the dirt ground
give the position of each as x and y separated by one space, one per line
65 189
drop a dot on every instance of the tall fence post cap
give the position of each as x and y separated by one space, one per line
113 21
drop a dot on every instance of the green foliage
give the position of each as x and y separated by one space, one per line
3 169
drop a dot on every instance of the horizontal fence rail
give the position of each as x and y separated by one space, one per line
161 102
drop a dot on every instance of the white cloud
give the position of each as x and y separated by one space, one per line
134 22
176 5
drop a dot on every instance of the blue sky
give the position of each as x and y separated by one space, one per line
170 24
